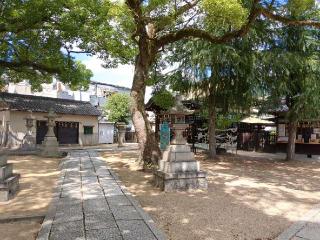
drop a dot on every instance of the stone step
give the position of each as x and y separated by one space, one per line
3 160
9 187
181 175
179 166
6 171
180 181
179 148
178 156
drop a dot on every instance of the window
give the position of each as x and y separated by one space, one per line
87 130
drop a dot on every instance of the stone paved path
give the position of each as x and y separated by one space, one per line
308 228
90 203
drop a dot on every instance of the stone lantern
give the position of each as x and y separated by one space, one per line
121 126
29 142
178 169
50 145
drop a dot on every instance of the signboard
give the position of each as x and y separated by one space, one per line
281 130
164 135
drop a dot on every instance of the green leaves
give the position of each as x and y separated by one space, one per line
163 99
117 108
224 14
298 7
35 36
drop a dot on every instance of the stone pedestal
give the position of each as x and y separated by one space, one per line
50 145
9 182
178 170
29 141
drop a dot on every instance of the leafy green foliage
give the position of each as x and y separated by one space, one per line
225 72
36 39
224 121
298 7
117 107
223 14
290 69
164 99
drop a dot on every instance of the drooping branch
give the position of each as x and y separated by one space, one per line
29 64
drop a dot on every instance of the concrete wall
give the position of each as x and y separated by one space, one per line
18 128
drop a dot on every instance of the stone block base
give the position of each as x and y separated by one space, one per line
180 181
6 171
9 188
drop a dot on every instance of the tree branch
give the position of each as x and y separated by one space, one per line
29 64
268 14
178 12
205 35
256 10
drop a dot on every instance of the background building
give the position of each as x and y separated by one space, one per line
77 122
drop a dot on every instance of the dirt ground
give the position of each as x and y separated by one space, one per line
248 198
38 178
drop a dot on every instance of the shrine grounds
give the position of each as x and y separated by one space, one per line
21 217
248 198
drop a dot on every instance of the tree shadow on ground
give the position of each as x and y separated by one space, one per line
247 198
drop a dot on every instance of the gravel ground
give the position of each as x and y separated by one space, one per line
38 178
248 198
22 230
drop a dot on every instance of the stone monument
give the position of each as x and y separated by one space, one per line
29 141
9 182
178 169
50 145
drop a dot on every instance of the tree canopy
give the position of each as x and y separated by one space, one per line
117 108
37 39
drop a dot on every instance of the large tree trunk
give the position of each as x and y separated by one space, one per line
291 146
149 149
212 129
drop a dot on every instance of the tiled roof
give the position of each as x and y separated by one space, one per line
19 102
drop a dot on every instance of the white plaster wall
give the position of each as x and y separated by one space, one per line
19 129
4 117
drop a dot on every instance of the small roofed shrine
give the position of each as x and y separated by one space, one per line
307 135
172 116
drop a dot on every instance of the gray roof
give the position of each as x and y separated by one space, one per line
19 102
111 85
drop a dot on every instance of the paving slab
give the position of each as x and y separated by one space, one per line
100 221
125 212
135 229
307 228
95 205
90 203
120 200
104 234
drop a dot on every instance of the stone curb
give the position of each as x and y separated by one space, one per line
22 218
145 216
299 225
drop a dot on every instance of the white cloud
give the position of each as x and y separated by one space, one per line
122 75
